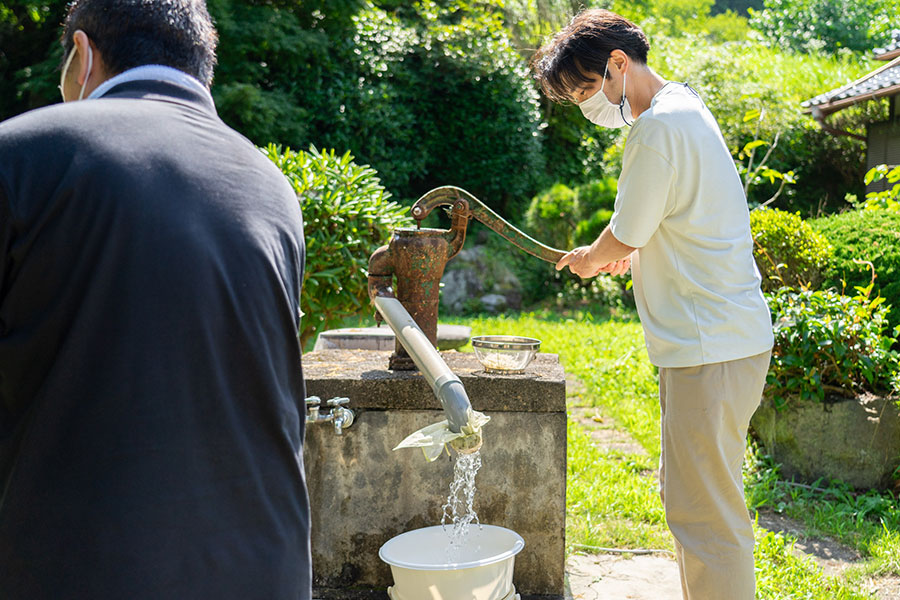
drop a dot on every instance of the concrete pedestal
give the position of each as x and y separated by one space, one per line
363 493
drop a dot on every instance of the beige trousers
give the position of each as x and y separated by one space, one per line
706 411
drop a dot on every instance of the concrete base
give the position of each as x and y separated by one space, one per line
856 440
363 493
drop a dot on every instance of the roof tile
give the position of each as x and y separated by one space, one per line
878 80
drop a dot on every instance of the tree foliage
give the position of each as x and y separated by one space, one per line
734 78
825 25
30 54
788 251
428 93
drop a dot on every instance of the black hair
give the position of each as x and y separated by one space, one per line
583 48
131 33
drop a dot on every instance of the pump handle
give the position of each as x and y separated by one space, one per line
473 208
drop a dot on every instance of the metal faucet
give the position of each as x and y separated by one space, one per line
340 416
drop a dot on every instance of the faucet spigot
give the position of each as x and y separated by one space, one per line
312 409
342 417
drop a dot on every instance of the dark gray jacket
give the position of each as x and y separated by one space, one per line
151 394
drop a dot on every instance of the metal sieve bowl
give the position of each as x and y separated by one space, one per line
505 354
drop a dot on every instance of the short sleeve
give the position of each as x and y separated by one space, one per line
645 186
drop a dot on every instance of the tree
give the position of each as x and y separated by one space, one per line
829 25
427 93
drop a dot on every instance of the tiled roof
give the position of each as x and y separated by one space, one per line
878 83
891 50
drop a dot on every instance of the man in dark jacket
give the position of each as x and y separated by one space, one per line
151 419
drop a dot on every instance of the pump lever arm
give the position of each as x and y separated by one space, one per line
476 209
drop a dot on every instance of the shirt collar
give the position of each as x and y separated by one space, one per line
152 73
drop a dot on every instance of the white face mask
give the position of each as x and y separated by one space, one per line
62 77
599 110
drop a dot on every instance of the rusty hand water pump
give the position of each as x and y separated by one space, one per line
416 257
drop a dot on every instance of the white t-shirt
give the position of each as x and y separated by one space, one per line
681 202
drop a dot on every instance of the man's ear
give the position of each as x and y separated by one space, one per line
82 43
618 60
89 64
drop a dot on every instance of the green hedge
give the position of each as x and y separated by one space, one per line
788 251
872 236
566 217
826 25
347 215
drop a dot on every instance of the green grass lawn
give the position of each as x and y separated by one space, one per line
612 496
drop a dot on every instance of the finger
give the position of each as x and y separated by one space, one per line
565 260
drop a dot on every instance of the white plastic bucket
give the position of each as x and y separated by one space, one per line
422 571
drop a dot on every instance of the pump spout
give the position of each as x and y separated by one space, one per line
445 384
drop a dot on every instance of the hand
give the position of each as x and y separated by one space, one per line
620 267
579 262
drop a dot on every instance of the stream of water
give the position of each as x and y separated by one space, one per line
459 511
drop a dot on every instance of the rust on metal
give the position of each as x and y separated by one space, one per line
415 259
466 205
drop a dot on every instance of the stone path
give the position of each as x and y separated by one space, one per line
609 576
618 576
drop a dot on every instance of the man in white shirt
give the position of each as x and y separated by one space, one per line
682 218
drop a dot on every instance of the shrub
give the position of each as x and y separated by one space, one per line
539 279
674 17
889 197
31 54
565 217
590 229
426 93
479 115
728 26
347 214
599 194
573 146
872 236
551 217
602 291
788 251
828 342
